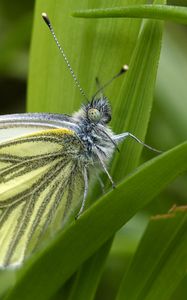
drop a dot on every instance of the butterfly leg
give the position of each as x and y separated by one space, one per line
85 175
122 136
104 167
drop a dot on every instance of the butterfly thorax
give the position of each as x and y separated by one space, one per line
94 133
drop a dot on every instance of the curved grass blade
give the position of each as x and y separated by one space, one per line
68 250
147 11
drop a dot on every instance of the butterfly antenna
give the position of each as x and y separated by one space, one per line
47 21
123 70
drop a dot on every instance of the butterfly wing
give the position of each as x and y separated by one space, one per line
41 182
14 125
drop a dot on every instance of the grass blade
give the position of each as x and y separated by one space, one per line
159 12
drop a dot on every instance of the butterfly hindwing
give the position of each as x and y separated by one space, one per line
41 182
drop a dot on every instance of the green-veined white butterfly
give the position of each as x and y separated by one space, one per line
44 164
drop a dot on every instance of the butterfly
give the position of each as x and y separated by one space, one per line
45 162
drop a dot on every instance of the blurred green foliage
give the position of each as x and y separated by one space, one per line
15 34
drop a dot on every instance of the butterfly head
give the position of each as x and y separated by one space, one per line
98 111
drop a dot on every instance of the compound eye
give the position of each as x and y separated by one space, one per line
94 115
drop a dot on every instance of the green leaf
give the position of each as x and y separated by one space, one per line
160 257
161 12
67 251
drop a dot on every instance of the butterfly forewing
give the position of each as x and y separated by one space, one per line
41 182
12 126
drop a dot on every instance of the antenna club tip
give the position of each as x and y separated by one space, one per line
44 15
46 19
125 68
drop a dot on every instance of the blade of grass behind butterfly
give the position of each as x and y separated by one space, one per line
136 95
90 49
